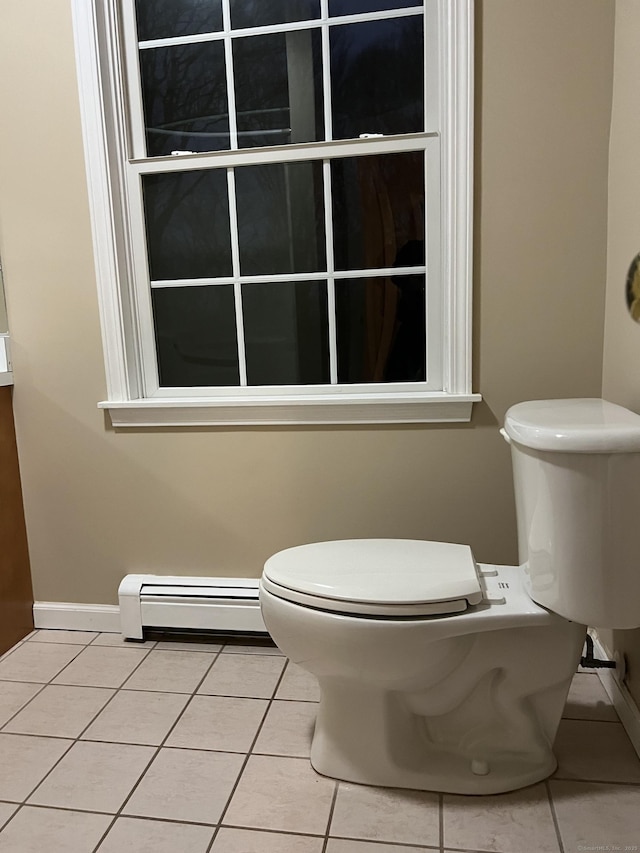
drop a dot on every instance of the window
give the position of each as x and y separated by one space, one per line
281 205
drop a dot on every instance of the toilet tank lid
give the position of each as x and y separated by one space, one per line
587 425
378 571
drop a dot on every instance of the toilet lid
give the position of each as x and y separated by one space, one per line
393 577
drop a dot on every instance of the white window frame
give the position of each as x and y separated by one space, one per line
103 106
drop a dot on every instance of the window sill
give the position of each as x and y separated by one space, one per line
432 407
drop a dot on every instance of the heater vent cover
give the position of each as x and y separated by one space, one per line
229 605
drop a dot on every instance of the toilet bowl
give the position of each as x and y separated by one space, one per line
437 673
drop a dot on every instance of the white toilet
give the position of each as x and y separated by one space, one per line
437 673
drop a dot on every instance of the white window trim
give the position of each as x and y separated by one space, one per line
102 105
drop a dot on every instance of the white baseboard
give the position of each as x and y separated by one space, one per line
622 700
77 617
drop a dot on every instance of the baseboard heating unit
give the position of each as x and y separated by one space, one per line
225 605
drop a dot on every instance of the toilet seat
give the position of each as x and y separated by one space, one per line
377 577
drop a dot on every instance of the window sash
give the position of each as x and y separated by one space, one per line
132 47
302 153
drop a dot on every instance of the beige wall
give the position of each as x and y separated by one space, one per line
100 504
621 372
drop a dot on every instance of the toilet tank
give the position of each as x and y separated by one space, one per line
576 468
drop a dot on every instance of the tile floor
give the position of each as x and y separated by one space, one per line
168 747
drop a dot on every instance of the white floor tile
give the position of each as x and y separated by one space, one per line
175 672
119 641
186 785
595 751
257 841
342 845
287 729
13 696
80 638
386 814
93 777
34 830
37 662
519 820
283 794
264 648
298 684
25 761
135 716
250 676
225 723
133 835
597 817
588 700
171 646
60 711
6 810
97 666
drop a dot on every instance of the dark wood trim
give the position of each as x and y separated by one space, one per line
16 593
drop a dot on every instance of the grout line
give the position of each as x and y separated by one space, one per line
330 816
3 823
399 844
22 707
441 821
591 720
111 814
77 646
583 781
554 816
248 755
156 753
71 741
268 831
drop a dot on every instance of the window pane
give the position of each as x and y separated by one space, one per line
278 81
258 13
378 208
196 336
286 333
165 18
356 7
184 92
280 218
187 217
377 75
380 329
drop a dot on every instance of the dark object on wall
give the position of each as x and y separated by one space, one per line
633 289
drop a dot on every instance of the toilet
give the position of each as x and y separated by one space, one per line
439 673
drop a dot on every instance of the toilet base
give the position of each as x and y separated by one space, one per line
406 757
